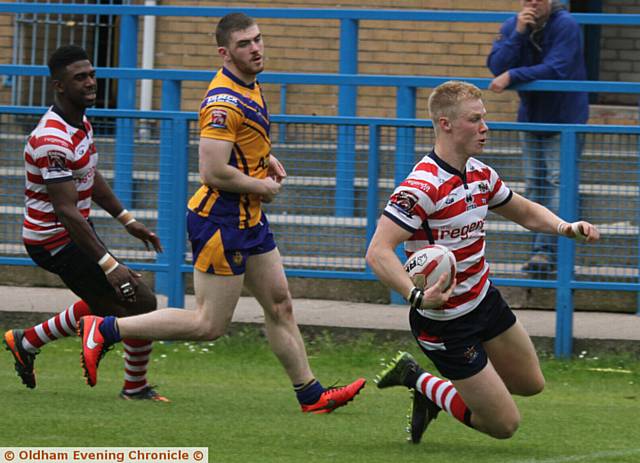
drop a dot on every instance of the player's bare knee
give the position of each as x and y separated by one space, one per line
206 329
209 334
534 387
530 387
505 429
282 308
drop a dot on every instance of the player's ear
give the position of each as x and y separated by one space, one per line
57 86
444 123
223 52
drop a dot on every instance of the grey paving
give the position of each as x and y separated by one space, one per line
324 313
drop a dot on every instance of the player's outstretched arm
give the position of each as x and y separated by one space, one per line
538 218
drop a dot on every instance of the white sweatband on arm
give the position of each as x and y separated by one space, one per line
560 228
125 217
108 263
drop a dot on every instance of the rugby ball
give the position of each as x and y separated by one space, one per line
426 265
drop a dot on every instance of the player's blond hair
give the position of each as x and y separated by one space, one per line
445 99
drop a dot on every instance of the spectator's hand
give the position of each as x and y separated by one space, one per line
143 234
125 282
272 187
436 295
526 18
500 83
276 169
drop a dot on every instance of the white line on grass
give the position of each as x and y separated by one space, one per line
579 458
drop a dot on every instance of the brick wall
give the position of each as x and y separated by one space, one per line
620 51
6 43
385 47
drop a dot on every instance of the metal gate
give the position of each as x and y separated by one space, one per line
36 36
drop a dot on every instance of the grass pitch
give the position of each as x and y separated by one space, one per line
233 397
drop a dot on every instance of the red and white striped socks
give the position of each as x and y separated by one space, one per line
59 326
136 362
445 396
136 351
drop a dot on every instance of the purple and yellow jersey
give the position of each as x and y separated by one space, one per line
235 112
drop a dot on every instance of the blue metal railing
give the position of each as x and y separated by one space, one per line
173 265
173 168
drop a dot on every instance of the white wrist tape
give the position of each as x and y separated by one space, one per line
125 217
108 263
576 231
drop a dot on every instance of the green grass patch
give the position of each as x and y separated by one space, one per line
233 397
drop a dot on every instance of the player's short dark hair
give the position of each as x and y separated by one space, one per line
64 56
231 23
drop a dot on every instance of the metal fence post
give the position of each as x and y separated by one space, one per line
638 218
405 152
566 247
282 128
171 92
373 178
347 105
124 143
178 208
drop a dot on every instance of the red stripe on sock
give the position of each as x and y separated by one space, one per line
138 379
47 330
434 392
79 308
137 363
58 322
32 337
458 408
136 342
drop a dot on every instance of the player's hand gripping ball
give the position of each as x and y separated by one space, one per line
426 265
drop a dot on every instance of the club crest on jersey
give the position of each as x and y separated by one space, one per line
237 258
483 187
471 354
404 201
56 161
219 119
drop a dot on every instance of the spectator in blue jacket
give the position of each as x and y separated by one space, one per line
542 41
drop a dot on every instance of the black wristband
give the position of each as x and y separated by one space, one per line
412 295
415 298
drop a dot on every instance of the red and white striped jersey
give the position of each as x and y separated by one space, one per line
56 152
439 204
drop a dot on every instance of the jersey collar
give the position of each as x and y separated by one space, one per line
231 76
59 112
447 167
